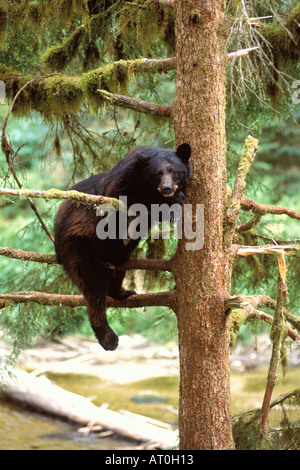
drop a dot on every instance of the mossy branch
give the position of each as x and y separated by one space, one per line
62 94
136 104
284 39
83 198
250 304
246 160
164 299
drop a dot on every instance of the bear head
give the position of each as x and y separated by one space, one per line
165 170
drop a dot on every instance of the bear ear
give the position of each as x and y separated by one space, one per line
184 152
142 157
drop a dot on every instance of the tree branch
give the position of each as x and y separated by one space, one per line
243 251
143 264
241 53
276 336
250 304
249 224
262 209
239 187
164 299
136 105
83 198
28 255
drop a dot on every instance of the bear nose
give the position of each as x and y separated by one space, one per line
168 189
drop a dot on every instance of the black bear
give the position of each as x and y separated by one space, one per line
146 175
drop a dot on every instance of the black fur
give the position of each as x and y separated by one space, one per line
146 175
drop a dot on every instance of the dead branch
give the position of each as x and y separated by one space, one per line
42 394
243 251
262 209
164 299
136 105
276 336
241 52
278 327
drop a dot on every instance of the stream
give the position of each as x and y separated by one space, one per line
154 395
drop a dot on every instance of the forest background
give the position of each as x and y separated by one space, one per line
63 151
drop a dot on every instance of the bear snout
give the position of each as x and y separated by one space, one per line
168 191
167 187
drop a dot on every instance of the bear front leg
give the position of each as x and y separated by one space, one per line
116 291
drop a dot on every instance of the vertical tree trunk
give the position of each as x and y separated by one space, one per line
201 276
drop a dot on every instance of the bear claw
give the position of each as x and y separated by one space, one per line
107 339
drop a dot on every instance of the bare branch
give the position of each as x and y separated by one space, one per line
262 209
28 255
242 251
276 336
241 52
143 264
249 224
249 20
143 300
136 105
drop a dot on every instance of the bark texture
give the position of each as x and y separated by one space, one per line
202 278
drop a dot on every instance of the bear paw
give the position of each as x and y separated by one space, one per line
123 294
107 338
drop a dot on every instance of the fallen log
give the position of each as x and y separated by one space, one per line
41 394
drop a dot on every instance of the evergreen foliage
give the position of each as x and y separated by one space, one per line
87 45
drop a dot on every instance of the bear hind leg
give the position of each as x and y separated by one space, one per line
96 309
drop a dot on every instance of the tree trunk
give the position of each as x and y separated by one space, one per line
202 279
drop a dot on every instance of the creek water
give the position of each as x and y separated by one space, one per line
22 429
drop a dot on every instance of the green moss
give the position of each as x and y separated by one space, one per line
3 24
63 95
238 318
58 57
142 23
112 77
247 157
284 41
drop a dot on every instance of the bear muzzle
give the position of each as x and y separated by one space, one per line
168 190
167 187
